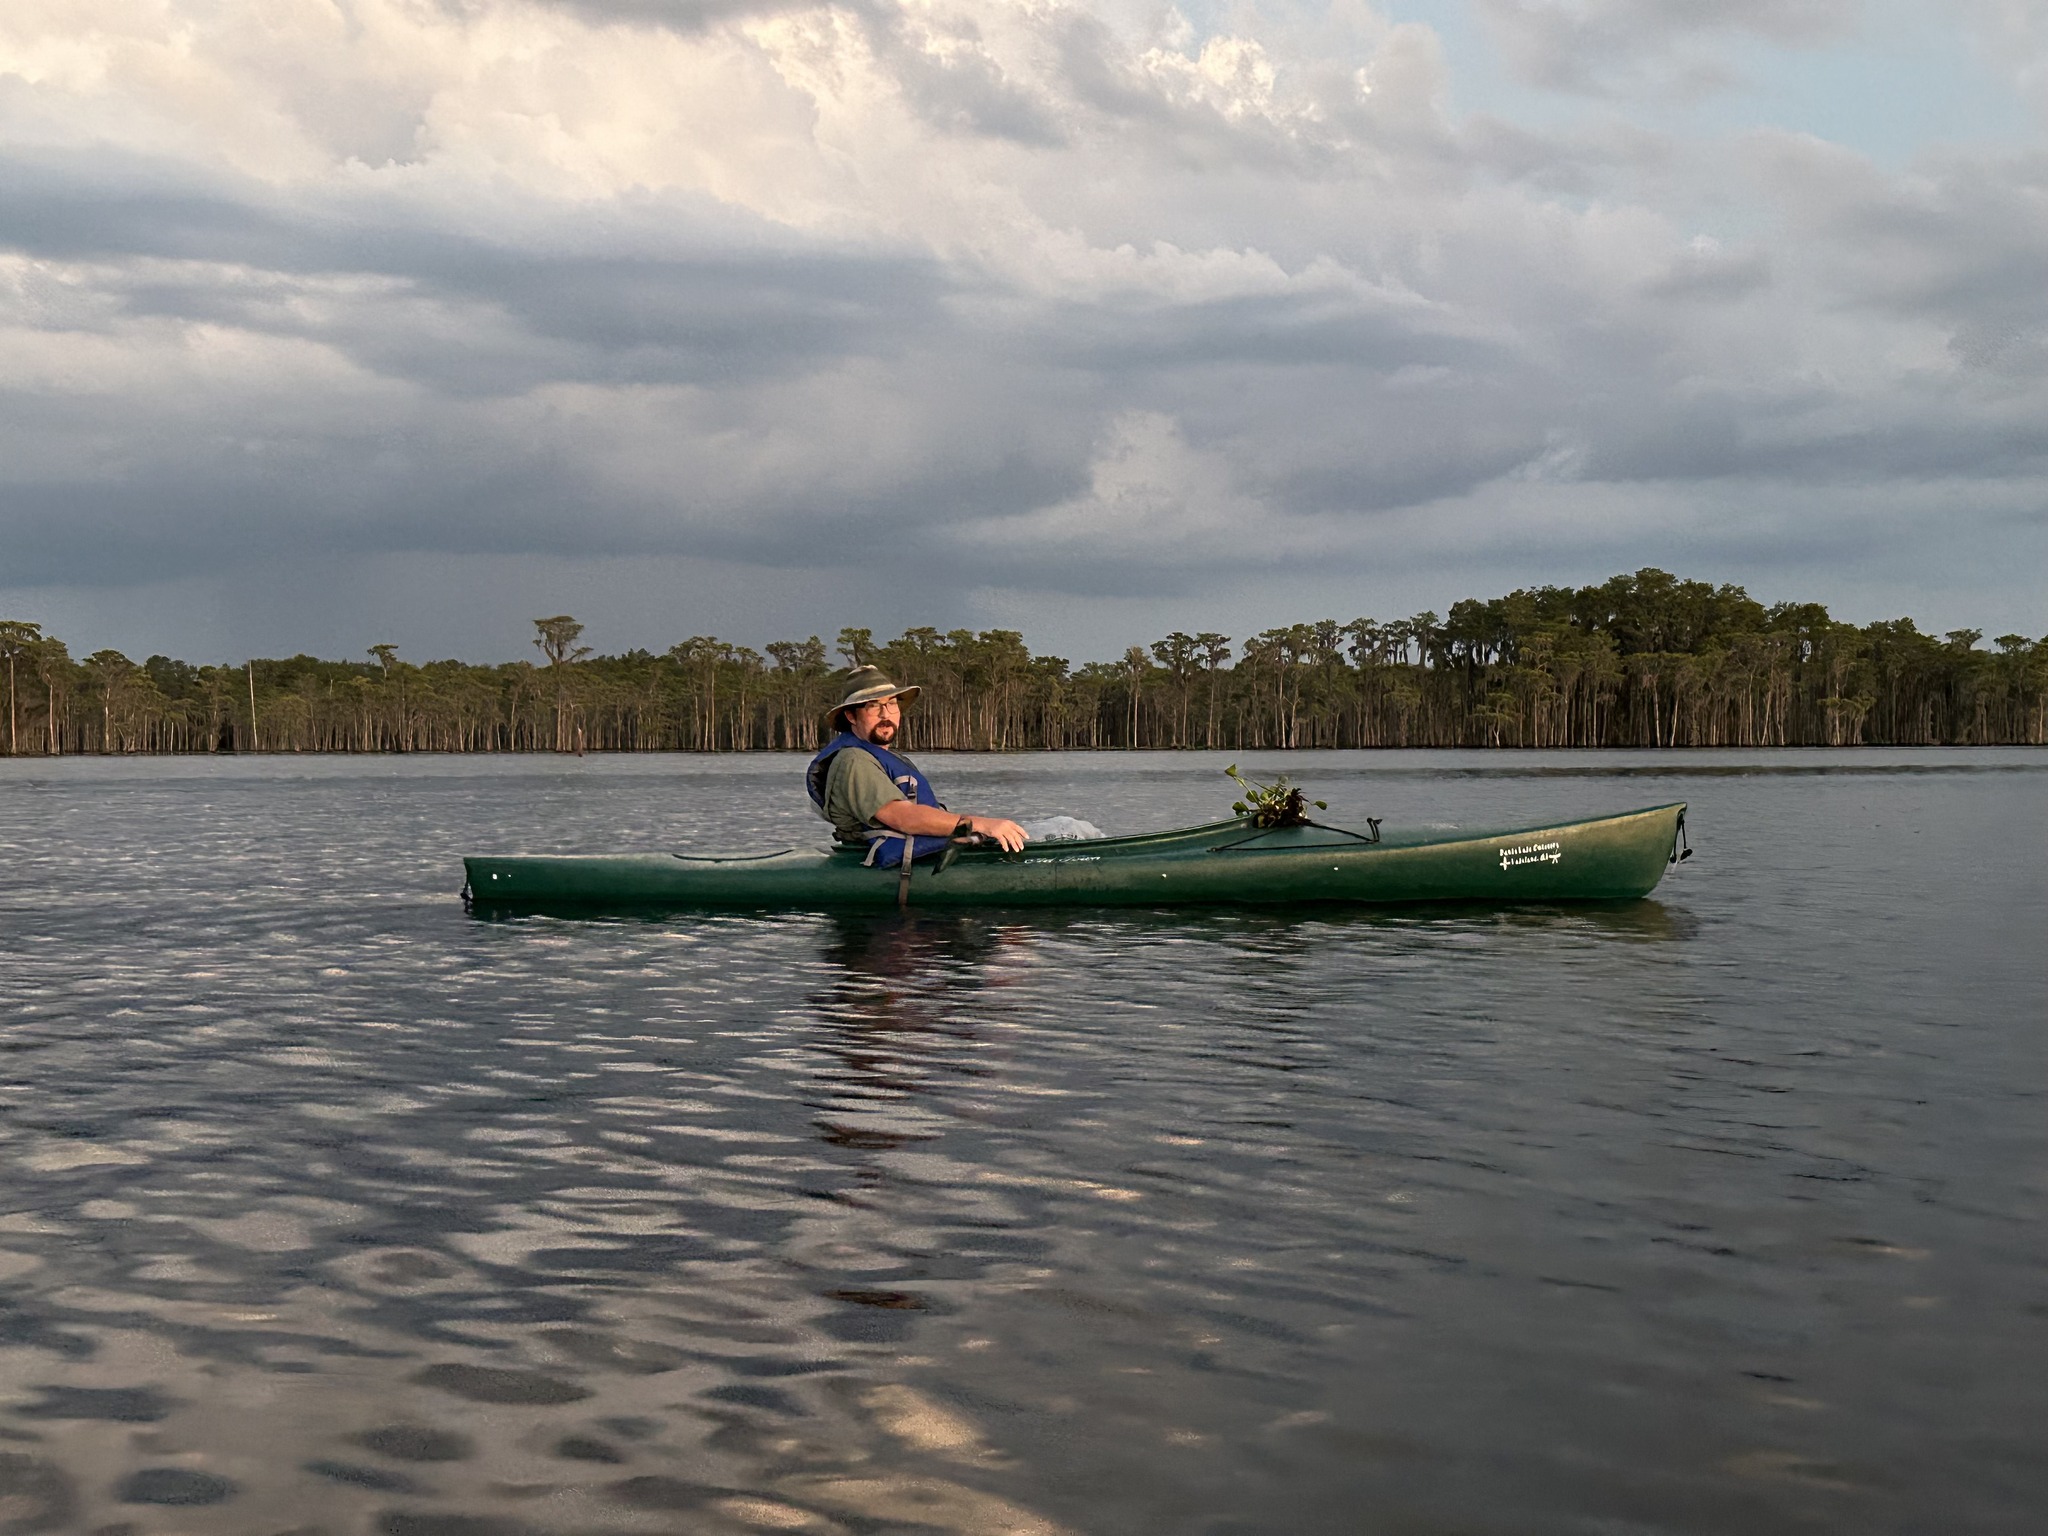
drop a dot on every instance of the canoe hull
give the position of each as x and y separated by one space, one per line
1610 858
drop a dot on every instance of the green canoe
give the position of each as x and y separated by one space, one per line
1610 858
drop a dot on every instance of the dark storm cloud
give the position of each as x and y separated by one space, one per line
1814 443
98 204
209 508
510 323
1377 466
732 305
520 320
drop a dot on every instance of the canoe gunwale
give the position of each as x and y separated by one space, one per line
719 858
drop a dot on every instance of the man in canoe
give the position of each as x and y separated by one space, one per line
874 798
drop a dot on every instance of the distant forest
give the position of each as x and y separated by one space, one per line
1638 661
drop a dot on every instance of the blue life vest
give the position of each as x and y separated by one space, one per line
886 848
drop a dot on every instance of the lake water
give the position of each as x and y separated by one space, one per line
327 1207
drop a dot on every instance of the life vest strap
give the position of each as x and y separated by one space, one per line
877 836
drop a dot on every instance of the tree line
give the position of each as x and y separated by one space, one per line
1640 660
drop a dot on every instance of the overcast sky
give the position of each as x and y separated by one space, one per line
332 322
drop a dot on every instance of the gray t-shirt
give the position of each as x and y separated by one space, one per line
856 786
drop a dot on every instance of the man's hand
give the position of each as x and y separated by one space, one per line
1008 833
929 821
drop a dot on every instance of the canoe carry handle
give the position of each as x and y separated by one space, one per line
1680 849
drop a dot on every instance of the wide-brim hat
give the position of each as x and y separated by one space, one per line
870 685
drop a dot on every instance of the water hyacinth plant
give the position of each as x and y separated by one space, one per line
1278 804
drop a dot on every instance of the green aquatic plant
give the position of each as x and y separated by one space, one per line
1278 804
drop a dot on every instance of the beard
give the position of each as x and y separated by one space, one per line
882 732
